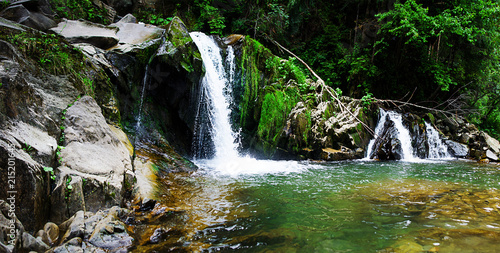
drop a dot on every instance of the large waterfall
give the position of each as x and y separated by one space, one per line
215 142
213 121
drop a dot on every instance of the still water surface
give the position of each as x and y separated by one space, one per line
355 206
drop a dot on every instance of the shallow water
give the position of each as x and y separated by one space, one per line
356 206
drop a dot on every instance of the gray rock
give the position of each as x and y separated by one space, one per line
64 200
6 248
135 37
129 18
491 156
73 245
110 233
20 14
6 25
31 243
457 149
88 135
76 227
492 143
87 32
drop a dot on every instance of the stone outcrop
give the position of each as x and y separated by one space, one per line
87 32
92 152
34 14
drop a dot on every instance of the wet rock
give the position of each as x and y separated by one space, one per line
457 149
387 145
86 32
158 235
328 154
147 204
234 38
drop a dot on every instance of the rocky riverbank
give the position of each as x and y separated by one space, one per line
95 116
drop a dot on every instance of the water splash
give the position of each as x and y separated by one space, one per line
437 148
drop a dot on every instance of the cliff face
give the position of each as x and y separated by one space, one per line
83 126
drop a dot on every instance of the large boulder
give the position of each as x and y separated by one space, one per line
87 32
30 17
135 37
94 153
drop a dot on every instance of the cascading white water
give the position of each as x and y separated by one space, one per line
402 134
213 119
216 90
378 132
437 148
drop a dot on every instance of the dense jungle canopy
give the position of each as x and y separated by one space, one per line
441 54
437 54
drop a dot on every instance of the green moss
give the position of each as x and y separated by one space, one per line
431 118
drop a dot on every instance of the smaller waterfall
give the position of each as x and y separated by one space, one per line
145 81
402 134
437 148
378 132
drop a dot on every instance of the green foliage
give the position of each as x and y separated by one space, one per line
150 16
50 170
80 9
4 4
367 100
211 16
69 188
275 108
51 52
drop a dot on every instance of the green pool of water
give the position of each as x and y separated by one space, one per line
360 206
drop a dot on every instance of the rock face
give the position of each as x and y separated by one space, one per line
93 152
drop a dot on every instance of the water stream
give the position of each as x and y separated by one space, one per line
235 203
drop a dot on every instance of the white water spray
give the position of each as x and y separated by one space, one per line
213 118
402 134
437 148
217 91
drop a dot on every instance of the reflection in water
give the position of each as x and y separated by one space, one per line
337 207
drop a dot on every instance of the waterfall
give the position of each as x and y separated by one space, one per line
215 97
378 132
437 148
145 81
402 134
